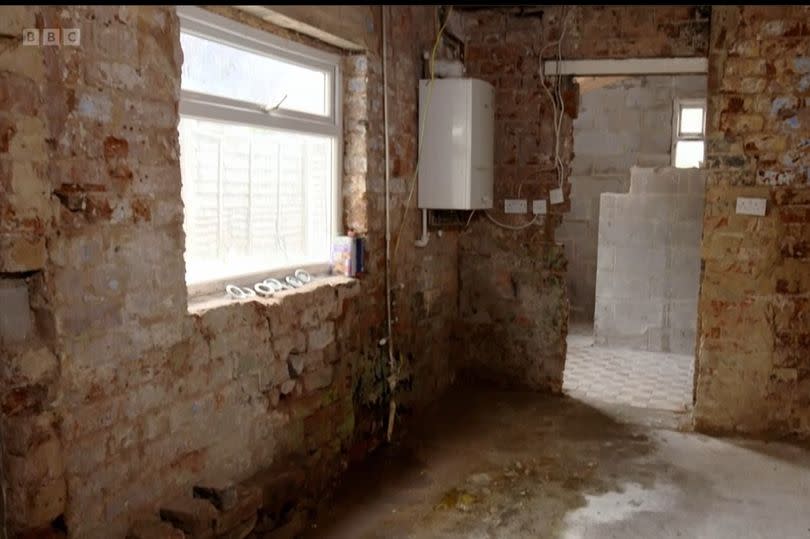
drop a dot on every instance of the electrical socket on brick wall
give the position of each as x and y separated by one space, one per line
539 207
515 205
751 206
556 196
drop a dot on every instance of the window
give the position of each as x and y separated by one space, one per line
259 140
688 132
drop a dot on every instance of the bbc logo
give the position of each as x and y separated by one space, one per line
70 37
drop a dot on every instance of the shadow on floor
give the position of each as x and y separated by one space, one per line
486 463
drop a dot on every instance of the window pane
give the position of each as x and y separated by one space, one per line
255 199
688 153
691 120
227 71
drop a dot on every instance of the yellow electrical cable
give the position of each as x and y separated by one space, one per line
421 131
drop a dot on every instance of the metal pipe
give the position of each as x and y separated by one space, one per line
389 325
423 241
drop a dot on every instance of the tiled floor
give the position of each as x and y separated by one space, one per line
632 377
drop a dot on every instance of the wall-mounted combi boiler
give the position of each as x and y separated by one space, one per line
457 154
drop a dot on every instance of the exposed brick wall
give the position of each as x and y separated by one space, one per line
424 280
513 303
754 331
123 398
513 298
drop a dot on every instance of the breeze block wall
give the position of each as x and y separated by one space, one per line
620 124
514 304
753 374
649 261
119 393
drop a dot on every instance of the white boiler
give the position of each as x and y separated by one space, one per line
456 161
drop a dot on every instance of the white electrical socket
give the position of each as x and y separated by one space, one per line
539 207
751 206
515 205
556 196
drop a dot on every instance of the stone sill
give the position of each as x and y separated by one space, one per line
201 304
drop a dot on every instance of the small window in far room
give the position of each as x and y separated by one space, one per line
688 132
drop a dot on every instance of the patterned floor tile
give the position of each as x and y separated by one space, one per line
638 378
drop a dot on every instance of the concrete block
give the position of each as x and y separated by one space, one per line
689 208
646 180
682 315
572 231
602 143
613 164
659 81
663 93
656 141
16 324
636 233
647 99
604 282
581 205
605 259
658 118
654 207
696 179
686 234
603 315
656 159
628 286
638 260
684 281
636 317
682 341
690 85
659 285
582 163
639 178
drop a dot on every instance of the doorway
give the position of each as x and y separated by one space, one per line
632 240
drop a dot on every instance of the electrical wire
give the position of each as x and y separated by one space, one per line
511 227
470 218
556 96
421 130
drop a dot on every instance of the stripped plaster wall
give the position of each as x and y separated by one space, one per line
109 382
753 372
120 392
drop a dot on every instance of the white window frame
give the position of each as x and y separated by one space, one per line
688 102
208 25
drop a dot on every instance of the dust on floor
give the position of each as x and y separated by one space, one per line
513 464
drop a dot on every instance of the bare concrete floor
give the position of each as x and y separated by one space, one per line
514 464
